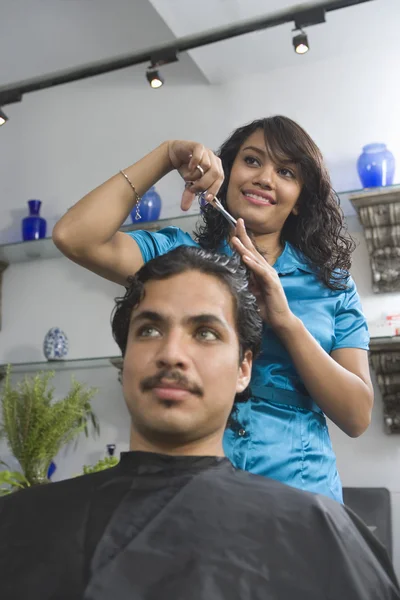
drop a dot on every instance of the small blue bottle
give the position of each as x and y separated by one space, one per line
33 226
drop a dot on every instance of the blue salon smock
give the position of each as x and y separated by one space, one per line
282 433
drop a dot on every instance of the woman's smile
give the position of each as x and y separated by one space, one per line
259 198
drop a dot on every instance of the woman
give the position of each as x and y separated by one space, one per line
269 175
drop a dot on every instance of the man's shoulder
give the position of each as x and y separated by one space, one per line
279 496
59 493
265 503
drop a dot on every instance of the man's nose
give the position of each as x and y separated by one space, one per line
173 352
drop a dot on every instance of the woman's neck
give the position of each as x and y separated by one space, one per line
269 245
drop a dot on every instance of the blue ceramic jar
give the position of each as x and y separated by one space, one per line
376 166
149 208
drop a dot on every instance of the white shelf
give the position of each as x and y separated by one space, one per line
45 248
384 343
99 362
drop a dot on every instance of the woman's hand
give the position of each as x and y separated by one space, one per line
197 165
264 283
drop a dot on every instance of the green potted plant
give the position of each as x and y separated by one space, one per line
36 427
104 463
11 480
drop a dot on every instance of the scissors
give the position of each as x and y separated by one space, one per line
218 206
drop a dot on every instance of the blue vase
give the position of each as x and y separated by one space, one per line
376 166
34 226
55 345
149 208
111 449
52 469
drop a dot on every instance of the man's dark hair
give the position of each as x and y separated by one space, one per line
228 270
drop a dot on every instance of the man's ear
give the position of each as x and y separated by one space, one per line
244 374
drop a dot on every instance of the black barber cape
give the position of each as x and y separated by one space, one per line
157 527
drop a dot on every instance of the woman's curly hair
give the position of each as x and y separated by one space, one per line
318 230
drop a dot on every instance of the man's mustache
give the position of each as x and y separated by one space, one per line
173 376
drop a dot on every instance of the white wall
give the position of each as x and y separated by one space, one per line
59 144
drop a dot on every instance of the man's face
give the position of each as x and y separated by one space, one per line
181 367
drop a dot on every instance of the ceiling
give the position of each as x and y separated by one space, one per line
39 37
43 36
345 31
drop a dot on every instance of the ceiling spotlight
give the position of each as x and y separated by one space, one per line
154 78
300 43
3 117
159 59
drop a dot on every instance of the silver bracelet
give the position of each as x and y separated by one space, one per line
138 198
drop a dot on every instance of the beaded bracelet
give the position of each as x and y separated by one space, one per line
138 198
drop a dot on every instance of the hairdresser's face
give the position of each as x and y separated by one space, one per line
181 366
260 191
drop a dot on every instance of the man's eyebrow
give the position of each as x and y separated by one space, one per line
201 319
148 315
207 319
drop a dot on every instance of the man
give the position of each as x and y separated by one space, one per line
174 520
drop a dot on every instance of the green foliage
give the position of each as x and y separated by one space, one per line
101 465
10 481
36 427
